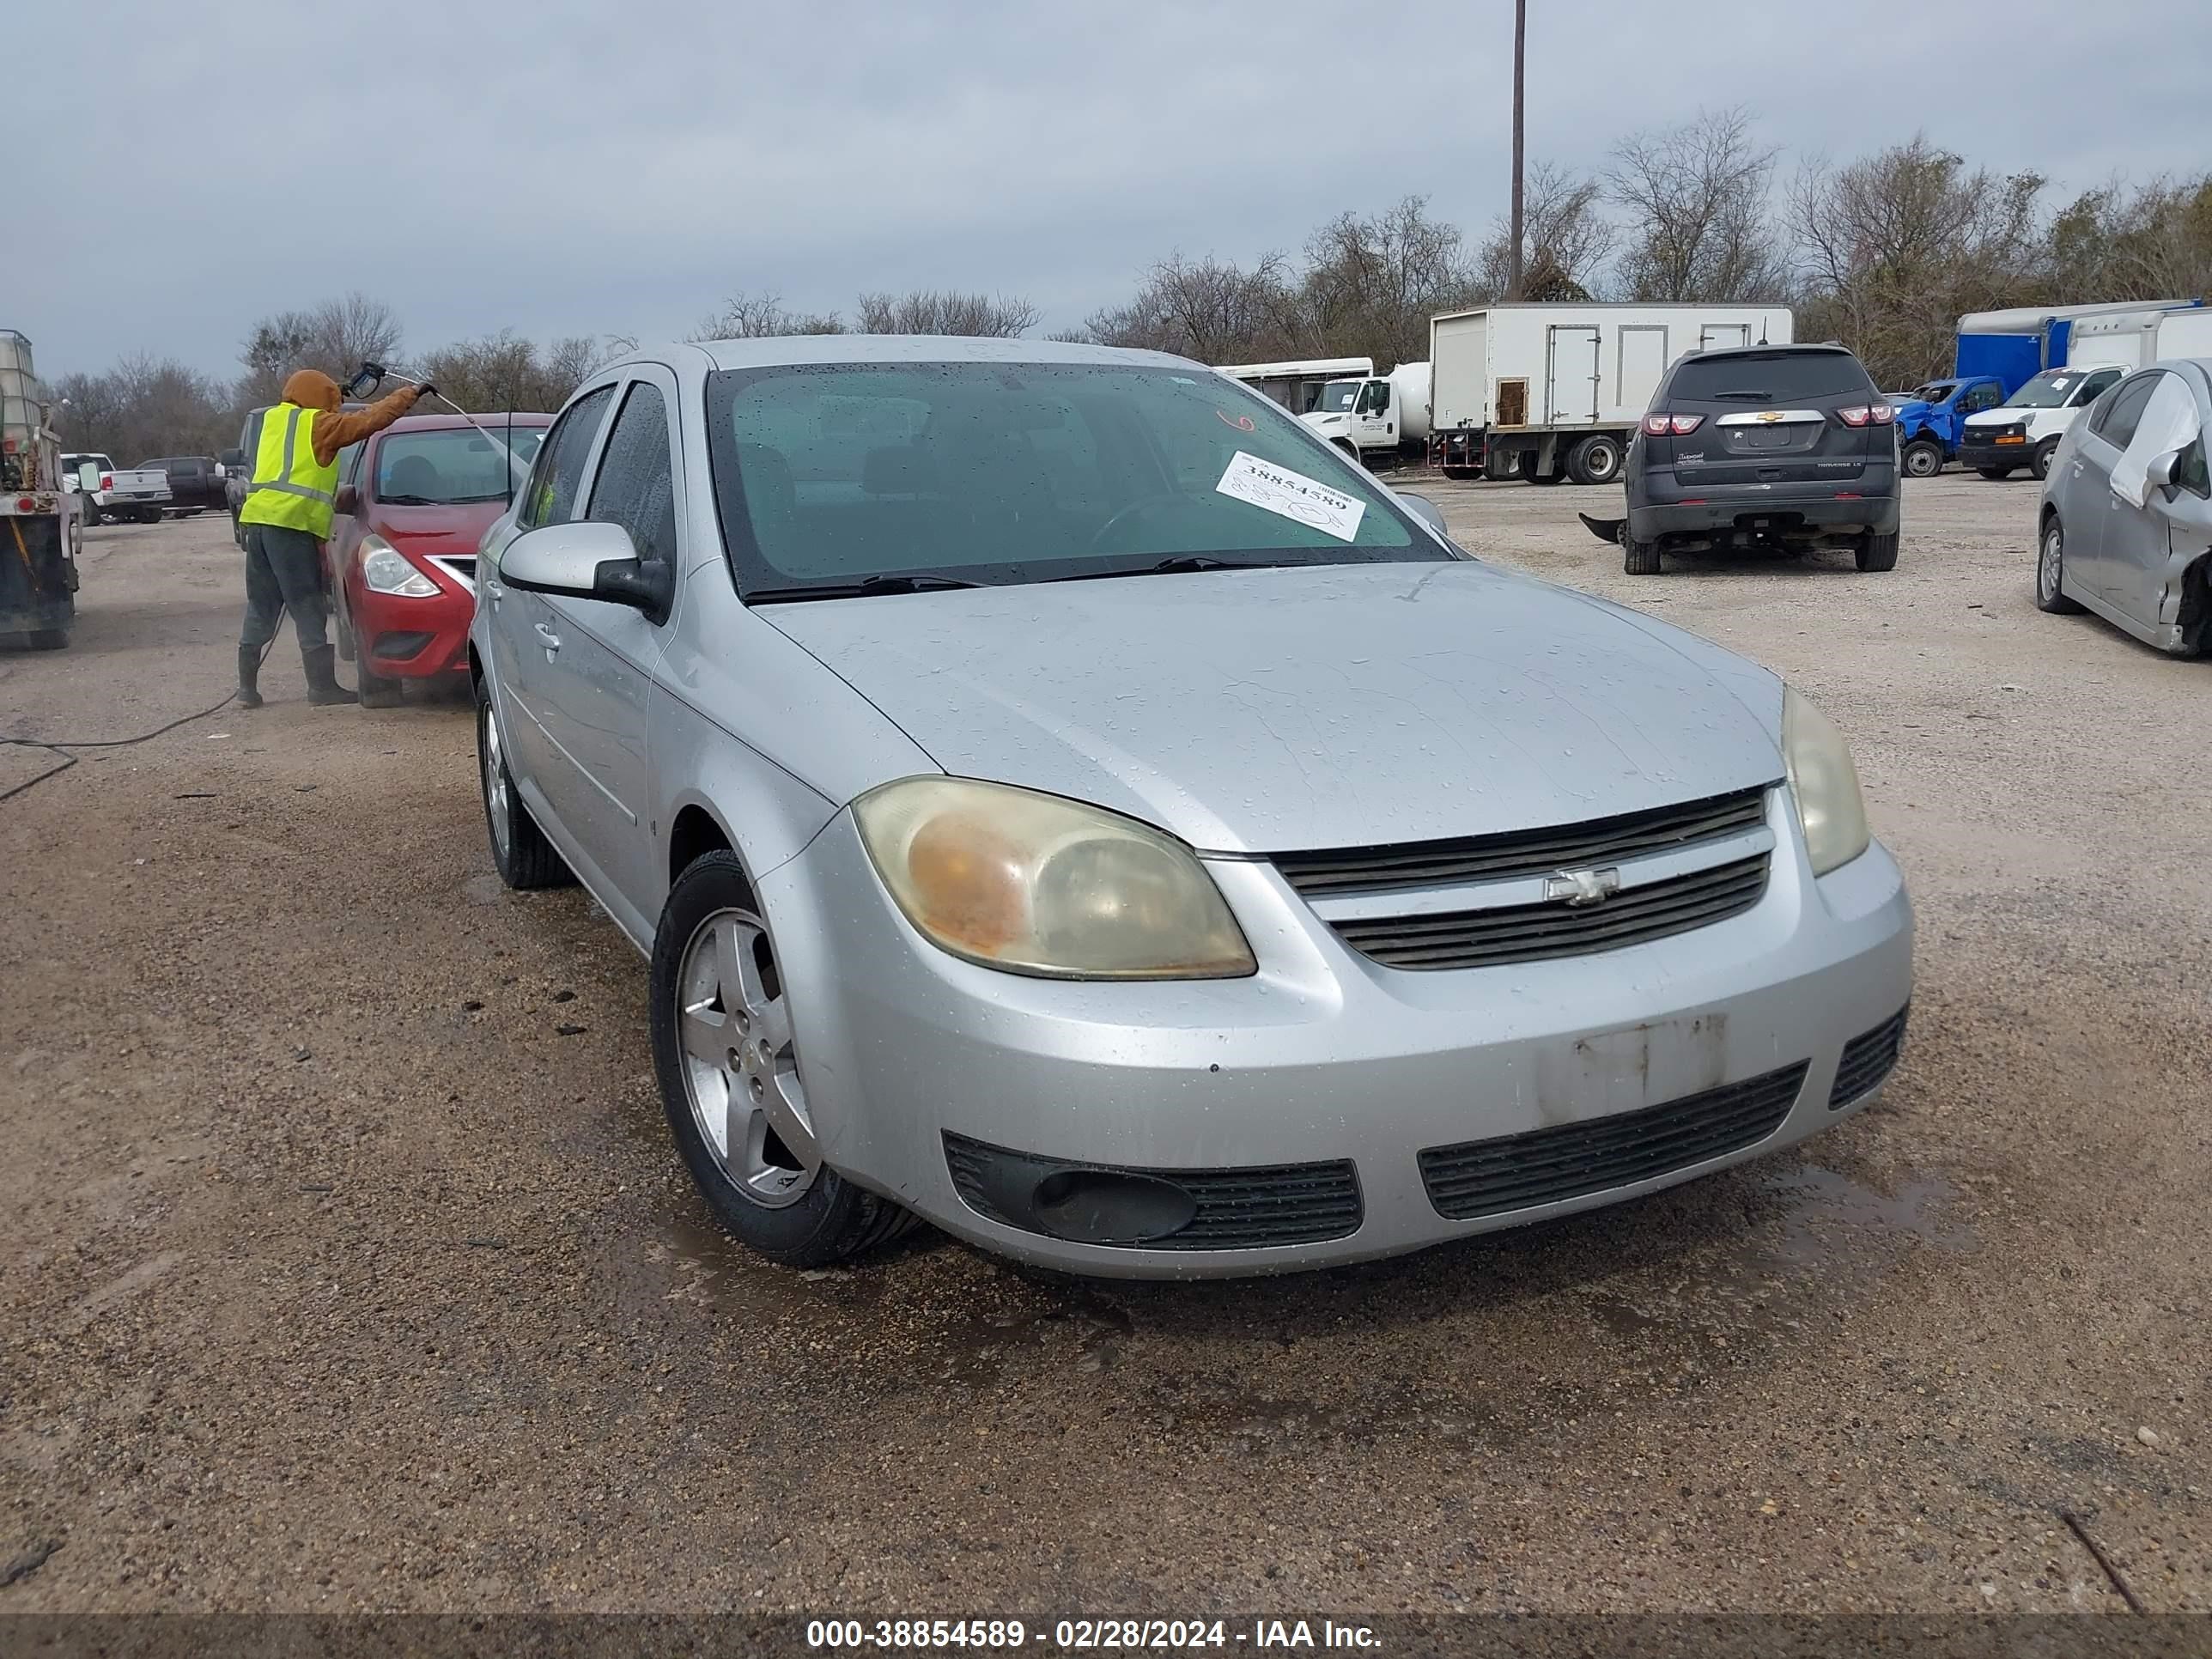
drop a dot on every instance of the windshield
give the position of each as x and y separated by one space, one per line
828 475
1769 377
449 468
1336 397
1935 391
2048 390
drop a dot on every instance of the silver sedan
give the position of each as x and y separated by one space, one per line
1062 799
2126 523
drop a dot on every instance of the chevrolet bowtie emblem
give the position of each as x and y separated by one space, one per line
1770 415
1581 887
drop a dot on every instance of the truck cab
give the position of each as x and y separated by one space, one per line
2024 430
1932 419
1374 416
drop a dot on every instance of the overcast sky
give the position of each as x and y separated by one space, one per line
564 169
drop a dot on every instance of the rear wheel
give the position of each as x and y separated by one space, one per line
47 639
726 1050
1922 458
1995 471
1595 460
1524 467
2051 571
525 859
2039 463
1877 552
1639 558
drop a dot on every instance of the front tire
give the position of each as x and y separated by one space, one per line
725 1052
2039 463
1995 473
1922 458
47 639
2051 571
376 691
525 860
1595 460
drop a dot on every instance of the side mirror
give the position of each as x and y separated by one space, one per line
2160 473
232 458
88 478
348 502
1423 509
587 561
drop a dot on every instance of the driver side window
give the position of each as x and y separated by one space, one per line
635 487
2116 422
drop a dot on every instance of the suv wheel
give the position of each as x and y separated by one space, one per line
1595 460
1639 558
1922 458
2051 571
1877 552
524 858
727 1058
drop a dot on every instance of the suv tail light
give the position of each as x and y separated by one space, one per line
1880 414
1658 426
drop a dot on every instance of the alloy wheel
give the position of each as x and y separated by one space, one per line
499 803
2047 565
740 1062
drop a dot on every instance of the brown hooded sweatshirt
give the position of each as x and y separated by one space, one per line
311 388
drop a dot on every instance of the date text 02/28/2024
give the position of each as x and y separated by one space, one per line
1085 1635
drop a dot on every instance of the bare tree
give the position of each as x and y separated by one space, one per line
147 406
1568 238
2153 242
1897 243
928 311
1371 284
762 316
504 372
1699 223
1214 310
335 336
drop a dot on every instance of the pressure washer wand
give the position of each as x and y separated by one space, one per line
372 376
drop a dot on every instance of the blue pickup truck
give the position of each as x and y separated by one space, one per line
1930 420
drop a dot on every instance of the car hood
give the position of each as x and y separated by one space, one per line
1315 706
427 530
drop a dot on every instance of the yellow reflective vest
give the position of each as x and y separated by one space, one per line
290 488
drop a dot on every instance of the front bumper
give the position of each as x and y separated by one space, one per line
1323 1058
1981 452
401 638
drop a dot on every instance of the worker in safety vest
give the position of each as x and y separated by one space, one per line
287 518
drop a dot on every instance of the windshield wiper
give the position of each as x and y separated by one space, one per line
1180 562
409 501
871 585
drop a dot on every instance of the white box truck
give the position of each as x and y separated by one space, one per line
1549 392
1297 386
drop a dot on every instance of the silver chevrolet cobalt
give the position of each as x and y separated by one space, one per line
1061 799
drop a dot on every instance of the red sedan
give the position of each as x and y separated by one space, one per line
413 502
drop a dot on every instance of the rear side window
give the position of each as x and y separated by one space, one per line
634 487
551 496
1754 377
2115 424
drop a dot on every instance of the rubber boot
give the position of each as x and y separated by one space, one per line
323 687
249 676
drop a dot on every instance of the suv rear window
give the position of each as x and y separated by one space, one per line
1774 375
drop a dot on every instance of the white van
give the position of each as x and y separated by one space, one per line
2024 430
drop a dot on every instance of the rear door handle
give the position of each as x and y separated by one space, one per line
547 638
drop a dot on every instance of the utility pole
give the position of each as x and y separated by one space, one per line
1520 53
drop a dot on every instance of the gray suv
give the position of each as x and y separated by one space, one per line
1786 448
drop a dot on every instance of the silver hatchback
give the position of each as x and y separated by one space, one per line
1062 799
2126 523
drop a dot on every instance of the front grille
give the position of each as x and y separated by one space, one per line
1523 852
1867 1059
1532 932
1549 1166
1243 1209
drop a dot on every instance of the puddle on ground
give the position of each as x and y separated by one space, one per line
1817 1202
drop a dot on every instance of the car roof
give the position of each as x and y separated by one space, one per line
795 349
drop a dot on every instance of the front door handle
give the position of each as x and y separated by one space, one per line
494 592
547 638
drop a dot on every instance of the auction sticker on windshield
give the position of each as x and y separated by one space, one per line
1292 495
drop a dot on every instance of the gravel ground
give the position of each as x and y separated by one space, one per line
346 1264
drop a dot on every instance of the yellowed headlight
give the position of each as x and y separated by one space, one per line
1037 885
1824 784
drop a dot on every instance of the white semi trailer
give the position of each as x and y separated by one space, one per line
1552 392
